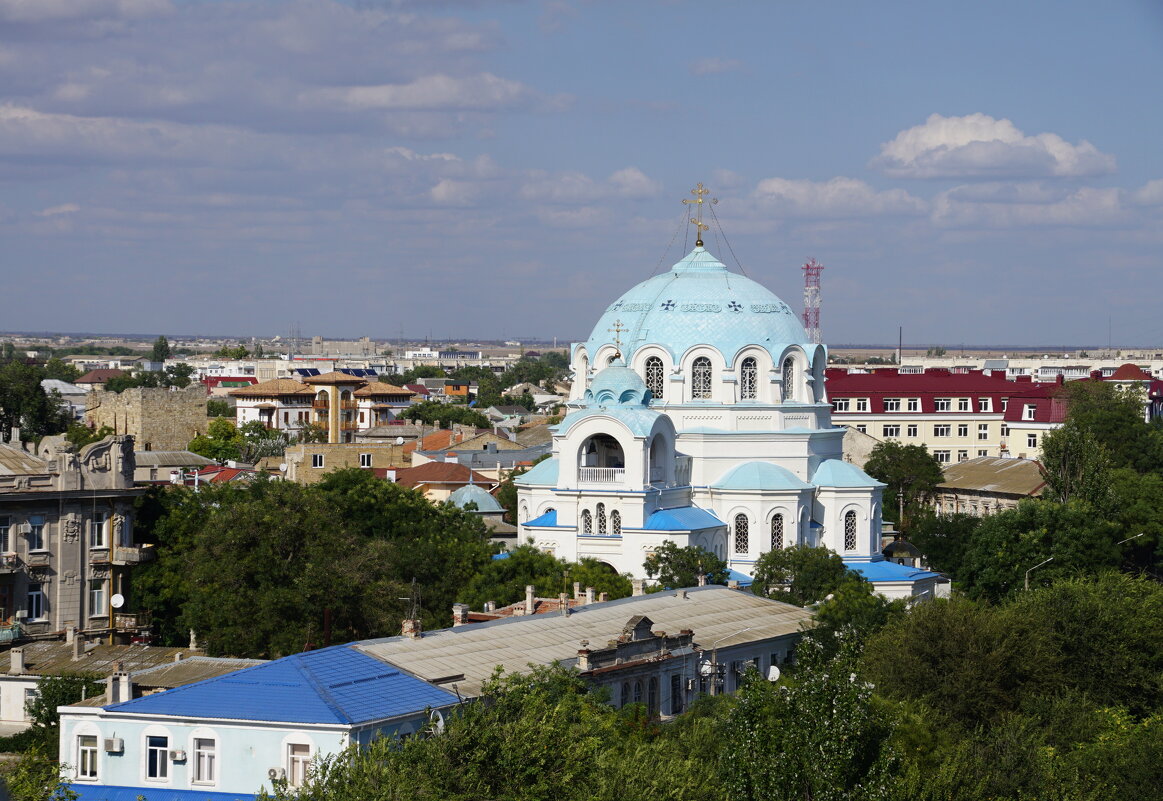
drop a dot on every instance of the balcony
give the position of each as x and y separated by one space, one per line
132 554
9 563
347 404
99 556
38 559
321 404
601 475
10 633
130 621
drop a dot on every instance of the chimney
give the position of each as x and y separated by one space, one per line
70 633
577 591
563 603
732 584
529 602
605 596
583 659
78 648
459 614
178 656
639 586
490 606
589 595
410 627
702 579
16 664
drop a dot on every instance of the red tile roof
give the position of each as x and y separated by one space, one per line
1130 372
99 376
927 386
439 473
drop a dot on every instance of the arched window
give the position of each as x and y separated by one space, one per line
789 376
652 696
654 376
616 523
701 379
850 531
741 533
776 532
749 379
524 512
625 693
587 522
638 692
601 518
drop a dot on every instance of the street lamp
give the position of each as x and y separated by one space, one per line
1128 539
1035 567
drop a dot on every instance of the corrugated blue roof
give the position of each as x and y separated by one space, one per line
114 793
331 685
685 518
835 473
547 519
743 579
760 476
888 571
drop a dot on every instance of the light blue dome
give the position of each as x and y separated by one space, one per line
617 385
474 493
699 302
837 473
753 476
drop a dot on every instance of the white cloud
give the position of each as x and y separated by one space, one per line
978 145
482 92
1151 193
1005 205
576 187
64 208
453 193
714 66
838 197
632 182
64 10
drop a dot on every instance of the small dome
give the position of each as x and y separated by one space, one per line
699 302
617 385
901 549
835 473
760 476
475 493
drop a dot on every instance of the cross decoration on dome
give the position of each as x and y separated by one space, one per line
617 331
698 202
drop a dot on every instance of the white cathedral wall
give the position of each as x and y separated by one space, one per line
833 503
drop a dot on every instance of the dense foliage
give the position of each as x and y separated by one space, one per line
503 581
673 566
175 375
912 475
24 403
444 415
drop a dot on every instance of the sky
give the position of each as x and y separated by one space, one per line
976 172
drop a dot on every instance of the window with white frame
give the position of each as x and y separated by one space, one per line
942 404
97 607
157 757
776 532
1005 402
749 379
892 404
616 523
317 460
963 404
204 760
5 531
984 405
365 460
1031 440
890 431
701 379
850 530
35 601
87 757
983 430
298 760
982 452
789 378
741 533
36 533
941 430
863 429
914 404
963 429
654 376
962 456
912 430
942 457
98 527
1030 412
840 405
1005 430
862 404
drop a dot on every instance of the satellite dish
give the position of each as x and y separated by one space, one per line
283 467
773 674
706 668
399 440
117 601
436 721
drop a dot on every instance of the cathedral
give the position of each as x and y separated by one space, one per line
699 415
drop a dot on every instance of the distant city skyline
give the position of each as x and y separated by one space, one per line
987 172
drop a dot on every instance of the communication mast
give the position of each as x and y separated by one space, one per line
812 272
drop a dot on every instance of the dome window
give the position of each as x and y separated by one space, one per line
654 376
749 379
776 532
850 531
587 522
789 375
701 379
741 533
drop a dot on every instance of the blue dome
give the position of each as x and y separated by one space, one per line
477 494
753 476
699 302
617 385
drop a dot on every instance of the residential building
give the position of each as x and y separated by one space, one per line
281 404
986 485
309 462
96 379
436 480
71 394
67 540
159 467
378 403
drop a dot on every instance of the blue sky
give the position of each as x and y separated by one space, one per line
979 172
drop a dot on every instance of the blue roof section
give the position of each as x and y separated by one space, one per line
547 519
475 493
542 473
743 579
617 385
684 518
835 473
760 476
883 571
338 685
638 419
87 792
501 555
700 302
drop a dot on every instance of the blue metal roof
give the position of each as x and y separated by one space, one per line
760 476
743 579
547 519
638 419
115 793
541 473
836 473
332 685
880 571
475 493
685 518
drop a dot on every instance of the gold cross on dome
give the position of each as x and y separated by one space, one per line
617 331
698 202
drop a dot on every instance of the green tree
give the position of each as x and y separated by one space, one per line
1075 465
676 567
943 538
161 349
799 575
177 375
445 414
1114 417
81 435
25 404
911 473
222 441
852 609
217 407
36 776
60 690
61 370
503 581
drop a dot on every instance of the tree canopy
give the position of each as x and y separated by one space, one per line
25 404
503 581
911 473
676 567
800 575
161 349
445 414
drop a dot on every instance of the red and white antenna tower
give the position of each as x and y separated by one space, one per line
812 272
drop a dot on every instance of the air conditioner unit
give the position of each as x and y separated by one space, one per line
24 528
177 756
277 774
114 745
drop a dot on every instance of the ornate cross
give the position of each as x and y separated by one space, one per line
617 331
698 202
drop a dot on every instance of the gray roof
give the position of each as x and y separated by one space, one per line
15 461
190 670
1019 477
490 459
63 387
995 364
715 614
170 459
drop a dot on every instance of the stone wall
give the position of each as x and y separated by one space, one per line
158 419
